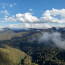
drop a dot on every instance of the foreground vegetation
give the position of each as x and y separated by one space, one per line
11 56
34 53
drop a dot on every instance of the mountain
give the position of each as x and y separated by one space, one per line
27 43
7 33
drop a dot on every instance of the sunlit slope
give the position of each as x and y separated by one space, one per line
8 34
11 56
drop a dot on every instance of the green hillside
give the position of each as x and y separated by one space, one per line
11 56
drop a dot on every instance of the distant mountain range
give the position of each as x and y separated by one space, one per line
8 33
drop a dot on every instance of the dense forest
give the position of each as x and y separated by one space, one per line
26 51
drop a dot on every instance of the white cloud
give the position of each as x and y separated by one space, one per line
28 25
10 19
30 9
4 5
54 15
14 3
10 5
4 12
26 17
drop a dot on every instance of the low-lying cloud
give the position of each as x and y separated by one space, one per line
55 37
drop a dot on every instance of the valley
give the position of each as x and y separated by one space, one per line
41 53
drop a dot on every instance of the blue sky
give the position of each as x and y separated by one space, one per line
37 5
34 8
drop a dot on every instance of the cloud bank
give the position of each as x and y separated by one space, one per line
52 16
55 37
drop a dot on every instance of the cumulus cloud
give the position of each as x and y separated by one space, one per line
4 5
30 9
11 5
4 12
10 19
26 17
54 15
